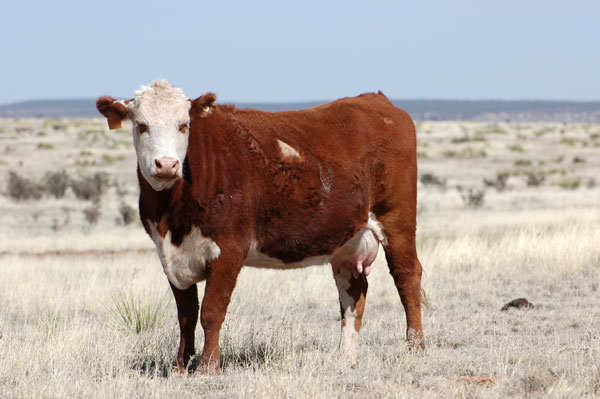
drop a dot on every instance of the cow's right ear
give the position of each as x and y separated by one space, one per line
114 110
203 106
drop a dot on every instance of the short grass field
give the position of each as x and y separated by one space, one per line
506 211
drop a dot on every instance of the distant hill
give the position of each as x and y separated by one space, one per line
479 110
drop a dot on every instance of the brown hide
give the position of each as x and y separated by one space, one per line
237 185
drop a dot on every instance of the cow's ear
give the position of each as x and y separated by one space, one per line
114 110
203 106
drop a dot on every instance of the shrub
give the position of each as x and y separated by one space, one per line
121 188
472 197
499 183
109 159
92 213
570 184
578 160
45 146
429 179
535 179
56 183
58 225
568 141
543 131
128 214
491 129
450 154
90 187
522 162
467 152
467 138
20 188
591 183
515 148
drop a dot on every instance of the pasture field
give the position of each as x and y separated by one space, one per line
506 210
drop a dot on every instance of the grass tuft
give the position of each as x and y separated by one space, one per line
137 313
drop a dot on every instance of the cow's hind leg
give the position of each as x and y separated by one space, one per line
187 313
405 268
352 293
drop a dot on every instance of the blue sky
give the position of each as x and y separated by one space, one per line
302 50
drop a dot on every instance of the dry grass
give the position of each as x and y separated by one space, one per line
59 338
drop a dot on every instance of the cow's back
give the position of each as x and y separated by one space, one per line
348 129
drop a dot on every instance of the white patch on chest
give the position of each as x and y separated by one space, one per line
363 246
185 264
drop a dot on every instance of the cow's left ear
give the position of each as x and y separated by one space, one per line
203 106
114 110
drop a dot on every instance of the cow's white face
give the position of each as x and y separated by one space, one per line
160 117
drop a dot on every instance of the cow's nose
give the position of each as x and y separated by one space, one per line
166 167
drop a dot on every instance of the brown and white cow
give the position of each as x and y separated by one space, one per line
223 187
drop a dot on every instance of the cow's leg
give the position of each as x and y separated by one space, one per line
220 281
406 269
352 293
187 313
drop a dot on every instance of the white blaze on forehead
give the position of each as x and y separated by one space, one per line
161 100
287 151
163 109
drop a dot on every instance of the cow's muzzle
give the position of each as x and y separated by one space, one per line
166 168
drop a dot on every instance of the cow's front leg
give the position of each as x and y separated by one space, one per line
220 281
187 313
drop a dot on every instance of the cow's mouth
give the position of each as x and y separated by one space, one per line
164 178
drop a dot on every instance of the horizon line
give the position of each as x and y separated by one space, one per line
329 100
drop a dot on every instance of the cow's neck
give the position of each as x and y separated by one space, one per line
220 167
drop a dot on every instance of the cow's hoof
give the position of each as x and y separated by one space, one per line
178 373
416 343
350 360
208 369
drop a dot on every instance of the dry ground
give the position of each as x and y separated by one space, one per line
534 235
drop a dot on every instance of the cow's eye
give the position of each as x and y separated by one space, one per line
183 128
142 128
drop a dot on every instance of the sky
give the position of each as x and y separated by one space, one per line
268 51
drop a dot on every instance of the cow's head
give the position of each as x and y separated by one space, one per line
160 116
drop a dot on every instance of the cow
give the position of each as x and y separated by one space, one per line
222 187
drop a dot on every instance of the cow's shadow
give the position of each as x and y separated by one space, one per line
254 356
152 368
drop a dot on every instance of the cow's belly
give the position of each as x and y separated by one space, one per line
185 264
357 253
